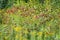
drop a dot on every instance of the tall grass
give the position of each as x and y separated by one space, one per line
30 20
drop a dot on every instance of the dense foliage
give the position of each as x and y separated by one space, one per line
30 20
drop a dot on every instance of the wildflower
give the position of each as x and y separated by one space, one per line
17 29
39 33
36 16
13 10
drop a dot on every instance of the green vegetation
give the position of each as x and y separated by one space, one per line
30 20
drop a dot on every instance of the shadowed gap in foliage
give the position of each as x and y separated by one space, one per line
3 4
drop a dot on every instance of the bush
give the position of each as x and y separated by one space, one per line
6 3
